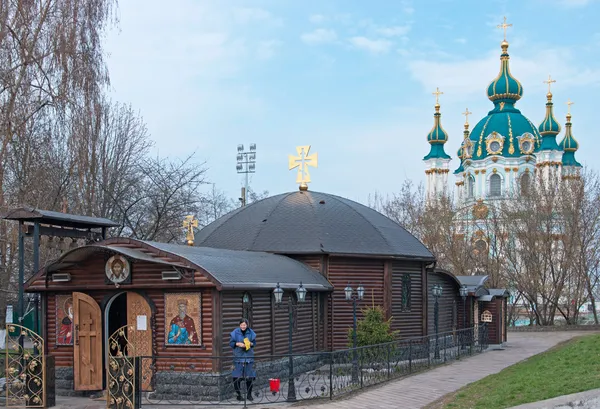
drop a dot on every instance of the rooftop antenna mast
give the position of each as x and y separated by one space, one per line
246 164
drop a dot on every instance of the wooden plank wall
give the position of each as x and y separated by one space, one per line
344 270
409 323
449 303
494 326
271 322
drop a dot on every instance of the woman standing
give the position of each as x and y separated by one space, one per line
242 341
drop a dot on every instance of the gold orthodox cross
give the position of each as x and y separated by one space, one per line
569 103
437 94
549 81
189 223
466 114
504 26
302 162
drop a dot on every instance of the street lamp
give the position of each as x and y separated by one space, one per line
436 290
463 293
301 296
246 163
350 296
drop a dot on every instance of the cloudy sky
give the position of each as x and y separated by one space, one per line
352 78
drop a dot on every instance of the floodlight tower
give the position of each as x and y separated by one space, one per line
246 163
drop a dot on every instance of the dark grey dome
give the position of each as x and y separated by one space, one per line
311 223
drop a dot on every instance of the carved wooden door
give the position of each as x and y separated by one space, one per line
87 343
139 316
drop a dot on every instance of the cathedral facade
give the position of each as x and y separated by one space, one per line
504 150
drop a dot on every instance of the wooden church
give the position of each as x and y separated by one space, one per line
183 301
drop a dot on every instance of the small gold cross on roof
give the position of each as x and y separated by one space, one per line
189 222
466 114
504 26
569 103
549 81
437 94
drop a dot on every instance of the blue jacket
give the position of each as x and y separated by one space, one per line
241 353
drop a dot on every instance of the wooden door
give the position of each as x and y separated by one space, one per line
139 316
87 324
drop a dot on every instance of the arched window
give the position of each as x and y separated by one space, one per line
525 182
495 185
294 311
406 289
471 186
247 307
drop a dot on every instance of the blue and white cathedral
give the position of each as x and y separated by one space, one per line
504 150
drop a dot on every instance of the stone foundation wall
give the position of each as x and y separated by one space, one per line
65 385
552 328
218 386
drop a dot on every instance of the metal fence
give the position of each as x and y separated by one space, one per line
324 375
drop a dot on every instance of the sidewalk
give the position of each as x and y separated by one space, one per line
412 392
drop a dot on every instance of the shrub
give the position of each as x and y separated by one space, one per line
373 328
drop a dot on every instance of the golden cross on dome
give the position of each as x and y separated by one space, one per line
437 94
504 26
549 81
466 114
189 222
302 162
569 103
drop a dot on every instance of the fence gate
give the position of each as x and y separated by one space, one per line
122 371
25 368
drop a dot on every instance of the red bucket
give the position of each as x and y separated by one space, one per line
274 385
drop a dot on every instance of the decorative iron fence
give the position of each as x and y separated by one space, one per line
324 375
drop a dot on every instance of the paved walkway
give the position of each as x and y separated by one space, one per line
416 391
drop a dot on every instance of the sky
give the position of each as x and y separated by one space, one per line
352 78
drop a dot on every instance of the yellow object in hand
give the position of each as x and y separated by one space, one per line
247 343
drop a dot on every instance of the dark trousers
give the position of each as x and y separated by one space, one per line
237 383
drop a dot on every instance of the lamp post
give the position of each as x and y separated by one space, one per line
246 163
436 290
355 298
301 295
463 293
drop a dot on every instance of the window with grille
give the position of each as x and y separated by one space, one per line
247 307
471 186
495 185
406 287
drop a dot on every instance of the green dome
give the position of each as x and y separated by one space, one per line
550 125
437 137
508 122
549 128
505 87
569 145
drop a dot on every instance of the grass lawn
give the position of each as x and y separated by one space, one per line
571 367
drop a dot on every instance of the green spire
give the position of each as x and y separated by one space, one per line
550 127
437 137
569 144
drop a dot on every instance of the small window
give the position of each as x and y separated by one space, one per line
525 182
495 185
294 311
247 307
471 186
406 289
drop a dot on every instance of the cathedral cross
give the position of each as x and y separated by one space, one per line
504 26
466 114
569 103
437 94
302 162
549 81
189 222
